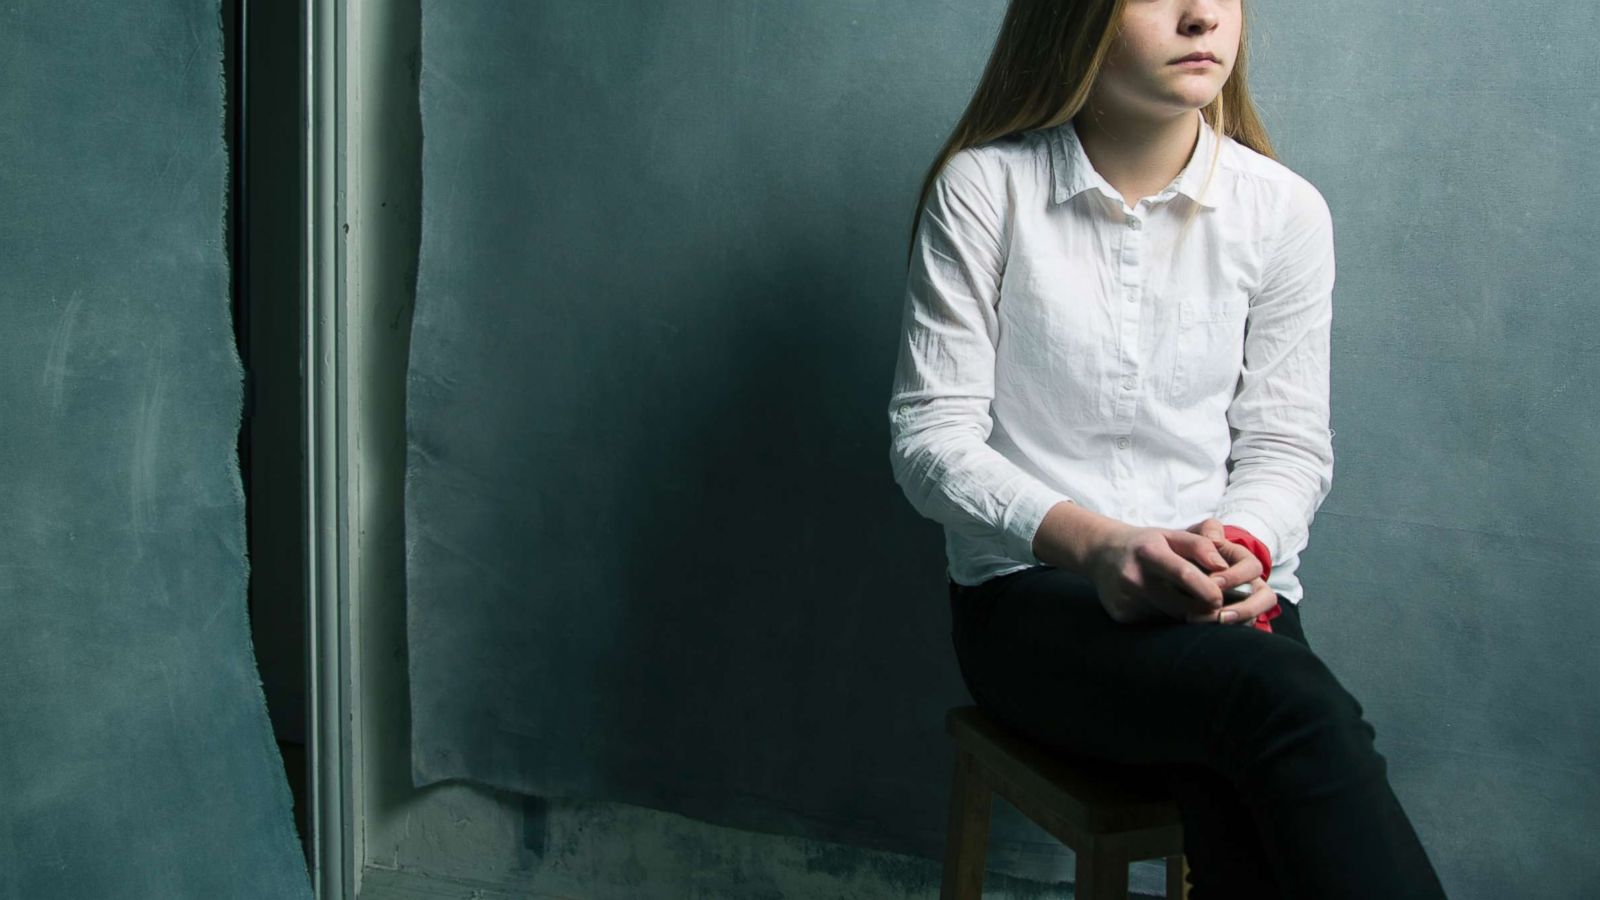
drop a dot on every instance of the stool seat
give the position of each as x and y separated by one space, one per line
1108 814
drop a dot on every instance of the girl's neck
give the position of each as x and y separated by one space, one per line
1138 157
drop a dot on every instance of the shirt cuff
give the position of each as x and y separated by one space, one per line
1022 522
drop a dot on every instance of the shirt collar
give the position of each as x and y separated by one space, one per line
1074 173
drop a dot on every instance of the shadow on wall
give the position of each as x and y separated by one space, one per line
787 621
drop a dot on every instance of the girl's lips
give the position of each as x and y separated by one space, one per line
1196 62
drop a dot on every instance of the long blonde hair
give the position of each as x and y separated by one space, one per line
1044 63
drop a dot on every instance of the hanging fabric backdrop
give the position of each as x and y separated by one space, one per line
136 758
655 551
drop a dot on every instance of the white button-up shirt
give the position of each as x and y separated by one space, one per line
1058 346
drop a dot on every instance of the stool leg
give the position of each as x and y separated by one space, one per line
967 840
1102 875
1178 877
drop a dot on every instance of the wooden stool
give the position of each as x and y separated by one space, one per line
1104 813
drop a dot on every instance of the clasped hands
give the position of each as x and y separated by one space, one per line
1161 574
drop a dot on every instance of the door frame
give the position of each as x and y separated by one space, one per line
324 360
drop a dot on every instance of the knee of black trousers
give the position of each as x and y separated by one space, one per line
1286 710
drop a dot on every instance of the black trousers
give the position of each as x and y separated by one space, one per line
1281 790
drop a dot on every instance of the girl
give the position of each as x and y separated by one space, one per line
1112 392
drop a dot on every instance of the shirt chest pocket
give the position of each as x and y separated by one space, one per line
1210 348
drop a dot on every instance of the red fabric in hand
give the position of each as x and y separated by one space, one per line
1250 542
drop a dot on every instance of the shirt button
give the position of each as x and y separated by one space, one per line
1127 383
1122 443
1134 224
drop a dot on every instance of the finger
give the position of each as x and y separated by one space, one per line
1197 548
1235 551
1166 601
1177 603
1234 575
1209 612
1169 567
1246 610
1263 602
1243 566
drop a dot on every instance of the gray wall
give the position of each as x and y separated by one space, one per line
136 758
644 219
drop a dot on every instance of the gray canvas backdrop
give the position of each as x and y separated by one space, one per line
655 554
136 759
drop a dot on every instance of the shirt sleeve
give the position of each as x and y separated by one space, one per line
1281 463
939 418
